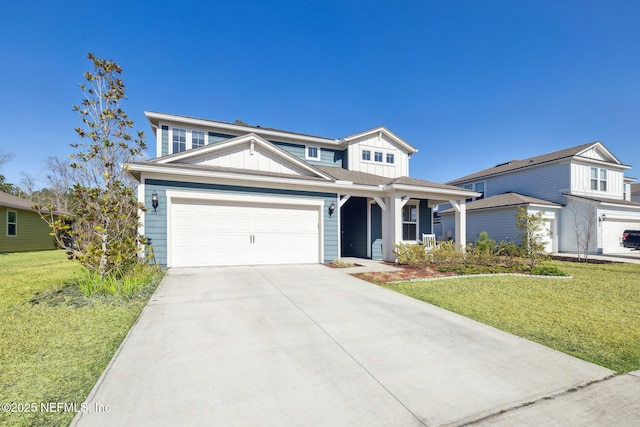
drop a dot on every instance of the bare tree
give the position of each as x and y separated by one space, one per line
58 184
6 186
584 214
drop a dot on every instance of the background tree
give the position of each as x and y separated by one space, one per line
532 235
105 212
4 185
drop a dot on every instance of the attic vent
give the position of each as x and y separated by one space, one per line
503 164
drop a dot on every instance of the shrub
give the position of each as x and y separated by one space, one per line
412 254
447 253
128 285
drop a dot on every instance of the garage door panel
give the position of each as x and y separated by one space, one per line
218 233
612 233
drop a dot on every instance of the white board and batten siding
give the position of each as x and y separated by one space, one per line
581 182
231 229
248 157
378 143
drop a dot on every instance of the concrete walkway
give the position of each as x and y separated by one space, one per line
309 345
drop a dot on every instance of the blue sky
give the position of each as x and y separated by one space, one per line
470 83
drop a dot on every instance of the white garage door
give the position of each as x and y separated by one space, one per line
204 233
612 232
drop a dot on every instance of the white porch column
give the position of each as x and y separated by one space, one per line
461 222
391 226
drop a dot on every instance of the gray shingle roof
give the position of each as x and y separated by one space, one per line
519 164
15 202
505 200
605 200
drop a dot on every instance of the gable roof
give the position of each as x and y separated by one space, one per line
505 200
238 129
513 165
383 130
251 139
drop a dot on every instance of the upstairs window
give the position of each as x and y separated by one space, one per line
598 179
179 139
410 222
366 155
390 158
197 139
378 156
313 153
12 223
477 187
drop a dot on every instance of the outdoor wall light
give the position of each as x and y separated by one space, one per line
332 208
154 202
602 217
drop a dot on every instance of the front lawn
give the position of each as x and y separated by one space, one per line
594 316
54 342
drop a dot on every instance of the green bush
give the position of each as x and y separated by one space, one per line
547 270
412 254
447 253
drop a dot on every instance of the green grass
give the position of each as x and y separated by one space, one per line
594 316
54 342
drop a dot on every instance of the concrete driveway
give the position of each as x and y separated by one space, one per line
309 345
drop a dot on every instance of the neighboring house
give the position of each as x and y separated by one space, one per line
581 190
21 228
233 194
634 189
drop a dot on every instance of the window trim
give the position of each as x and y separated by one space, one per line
14 223
411 203
392 157
204 138
377 156
173 142
307 156
368 155
599 181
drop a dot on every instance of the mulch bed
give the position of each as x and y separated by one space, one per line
405 273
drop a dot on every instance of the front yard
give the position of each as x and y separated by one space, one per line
594 316
54 342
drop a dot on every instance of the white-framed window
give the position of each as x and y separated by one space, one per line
410 222
477 187
12 223
197 138
377 156
179 139
391 158
312 153
366 155
598 179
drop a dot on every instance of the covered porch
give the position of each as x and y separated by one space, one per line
370 224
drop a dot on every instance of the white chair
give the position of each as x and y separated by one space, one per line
429 241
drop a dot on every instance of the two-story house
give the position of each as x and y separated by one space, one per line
231 194
581 190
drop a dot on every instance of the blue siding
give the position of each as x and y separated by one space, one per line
213 137
156 225
545 182
328 156
165 140
424 220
